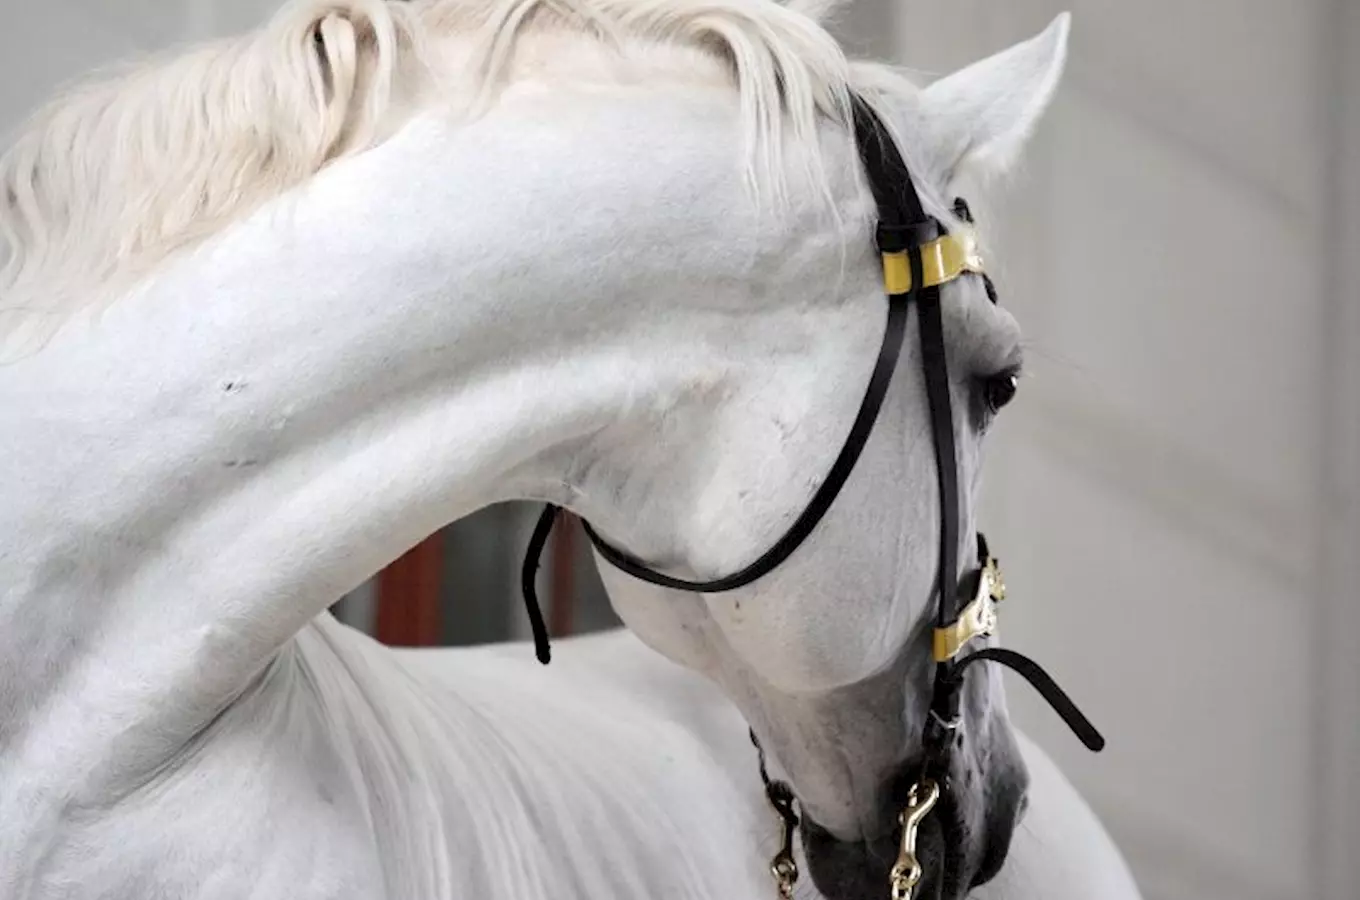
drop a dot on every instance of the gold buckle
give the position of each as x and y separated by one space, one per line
977 618
942 260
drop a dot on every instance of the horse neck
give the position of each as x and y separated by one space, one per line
444 322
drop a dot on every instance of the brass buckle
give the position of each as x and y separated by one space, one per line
942 260
977 618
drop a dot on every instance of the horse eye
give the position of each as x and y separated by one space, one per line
999 389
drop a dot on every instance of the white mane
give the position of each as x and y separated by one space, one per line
108 180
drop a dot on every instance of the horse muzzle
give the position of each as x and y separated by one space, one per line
937 845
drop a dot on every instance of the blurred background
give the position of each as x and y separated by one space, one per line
1174 496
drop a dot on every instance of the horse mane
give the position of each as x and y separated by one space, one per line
109 179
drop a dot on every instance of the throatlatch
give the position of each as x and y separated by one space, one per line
919 256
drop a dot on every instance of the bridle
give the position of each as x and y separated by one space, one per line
919 256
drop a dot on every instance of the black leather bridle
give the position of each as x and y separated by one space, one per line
903 234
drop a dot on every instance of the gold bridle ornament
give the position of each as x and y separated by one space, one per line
976 619
942 260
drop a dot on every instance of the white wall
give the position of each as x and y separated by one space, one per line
1175 496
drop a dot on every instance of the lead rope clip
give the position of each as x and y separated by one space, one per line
906 872
782 866
780 795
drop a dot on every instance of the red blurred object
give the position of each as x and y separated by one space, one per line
408 596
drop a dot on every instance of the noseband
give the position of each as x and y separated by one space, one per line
919 256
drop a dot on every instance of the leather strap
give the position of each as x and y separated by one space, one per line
863 427
533 555
1042 682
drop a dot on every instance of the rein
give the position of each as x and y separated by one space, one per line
919 256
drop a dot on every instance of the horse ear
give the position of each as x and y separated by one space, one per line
978 119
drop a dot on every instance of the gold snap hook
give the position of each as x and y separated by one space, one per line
906 872
785 872
782 866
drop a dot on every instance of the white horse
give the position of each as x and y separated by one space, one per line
278 307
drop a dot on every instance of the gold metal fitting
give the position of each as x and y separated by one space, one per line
975 619
782 865
942 260
906 872
996 585
785 872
